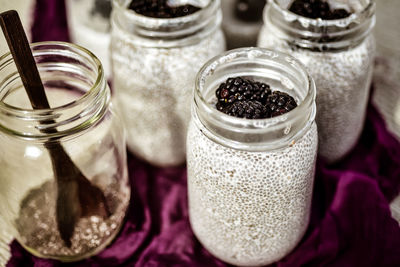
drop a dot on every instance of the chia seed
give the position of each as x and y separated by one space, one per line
37 227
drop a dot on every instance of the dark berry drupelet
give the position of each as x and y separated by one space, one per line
239 89
317 9
160 9
246 109
245 98
279 103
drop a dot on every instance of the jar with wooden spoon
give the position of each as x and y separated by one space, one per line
64 181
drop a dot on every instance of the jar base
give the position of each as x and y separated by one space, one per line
91 234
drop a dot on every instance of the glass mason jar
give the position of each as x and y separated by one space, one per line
87 129
154 65
339 55
250 181
89 26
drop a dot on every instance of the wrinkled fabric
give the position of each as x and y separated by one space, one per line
350 225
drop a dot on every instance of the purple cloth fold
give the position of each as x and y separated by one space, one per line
350 225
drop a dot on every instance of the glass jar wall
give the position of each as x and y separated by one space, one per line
154 63
250 180
339 55
82 122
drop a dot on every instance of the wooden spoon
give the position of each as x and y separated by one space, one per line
76 196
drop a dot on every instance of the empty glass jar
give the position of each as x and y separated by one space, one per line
82 122
154 63
339 55
250 181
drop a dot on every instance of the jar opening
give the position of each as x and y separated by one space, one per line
166 32
281 72
355 7
322 34
74 83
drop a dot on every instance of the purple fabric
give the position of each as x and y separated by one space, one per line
350 223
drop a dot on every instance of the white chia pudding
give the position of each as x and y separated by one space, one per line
153 81
249 202
342 71
256 205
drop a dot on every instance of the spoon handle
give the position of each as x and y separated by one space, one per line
68 209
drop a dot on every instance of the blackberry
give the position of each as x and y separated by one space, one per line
317 9
239 89
279 103
160 9
246 109
245 98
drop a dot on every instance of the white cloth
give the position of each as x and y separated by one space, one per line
5 239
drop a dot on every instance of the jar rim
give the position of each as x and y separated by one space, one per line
94 90
343 22
213 63
160 22
69 119
319 34
165 32
305 109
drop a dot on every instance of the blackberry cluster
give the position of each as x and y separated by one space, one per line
160 9
317 9
244 98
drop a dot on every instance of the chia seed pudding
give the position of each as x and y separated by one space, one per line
338 52
250 179
155 61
